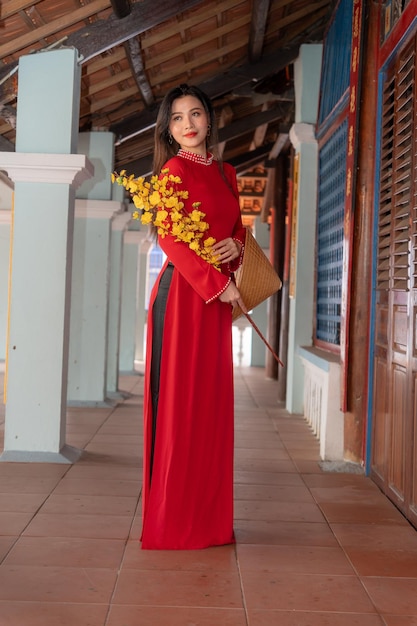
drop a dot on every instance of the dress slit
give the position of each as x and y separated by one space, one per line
158 319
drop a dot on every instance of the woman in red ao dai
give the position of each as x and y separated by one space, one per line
188 398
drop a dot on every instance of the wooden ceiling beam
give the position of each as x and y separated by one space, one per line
153 38
179 69
105 34
110 58
102 35
121 8
116 98
15 6
250 123
215 88
134 56
158 59
53 28
260 13
111 81
6 145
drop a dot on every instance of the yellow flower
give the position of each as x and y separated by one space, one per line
145 219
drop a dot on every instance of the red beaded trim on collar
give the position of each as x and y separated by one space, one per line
196 158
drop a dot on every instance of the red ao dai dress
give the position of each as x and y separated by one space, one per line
188 491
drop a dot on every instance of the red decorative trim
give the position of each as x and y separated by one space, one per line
357 26
219 293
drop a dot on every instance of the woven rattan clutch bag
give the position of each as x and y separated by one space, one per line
256 279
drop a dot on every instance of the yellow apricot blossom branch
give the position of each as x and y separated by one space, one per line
160 202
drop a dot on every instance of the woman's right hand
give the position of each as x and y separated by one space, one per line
232 296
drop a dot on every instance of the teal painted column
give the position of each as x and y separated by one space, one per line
46 173
119 226
6 199
131 246
87 375
307 69
91 304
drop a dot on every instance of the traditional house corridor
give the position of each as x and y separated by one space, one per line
313 547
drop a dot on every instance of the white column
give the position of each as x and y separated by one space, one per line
300 331
37 354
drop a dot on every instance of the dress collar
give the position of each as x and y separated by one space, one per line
196 158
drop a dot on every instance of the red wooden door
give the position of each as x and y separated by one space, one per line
394 437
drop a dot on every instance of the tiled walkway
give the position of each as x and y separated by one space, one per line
313 548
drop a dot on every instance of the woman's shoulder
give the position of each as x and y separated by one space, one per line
174 165
229 171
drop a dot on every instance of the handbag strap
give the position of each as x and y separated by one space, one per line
270 348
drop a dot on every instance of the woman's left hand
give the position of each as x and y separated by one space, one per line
226 250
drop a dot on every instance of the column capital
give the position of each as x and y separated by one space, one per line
134 236
98 209
302 133
122 221
31 167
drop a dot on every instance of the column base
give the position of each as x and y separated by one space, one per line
68 454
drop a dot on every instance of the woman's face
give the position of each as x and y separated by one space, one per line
188 124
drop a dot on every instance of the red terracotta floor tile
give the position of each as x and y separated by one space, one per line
283 533
299 618
359 493
113 439
97 487
183 588
392 563
95 526
14 523
400 620
267 478
20 583
382 513
307 466
6 544
299 559
174 616
396 596
34 470
274 454
376 537
51 614
66 552
89 505
338 479
105 472
27 484
136 528
264 465
21 502
266 441
276 493
302 592
279 511
222 558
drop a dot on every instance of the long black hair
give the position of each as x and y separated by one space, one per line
165 145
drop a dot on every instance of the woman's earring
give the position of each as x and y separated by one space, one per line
208 130
170 139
